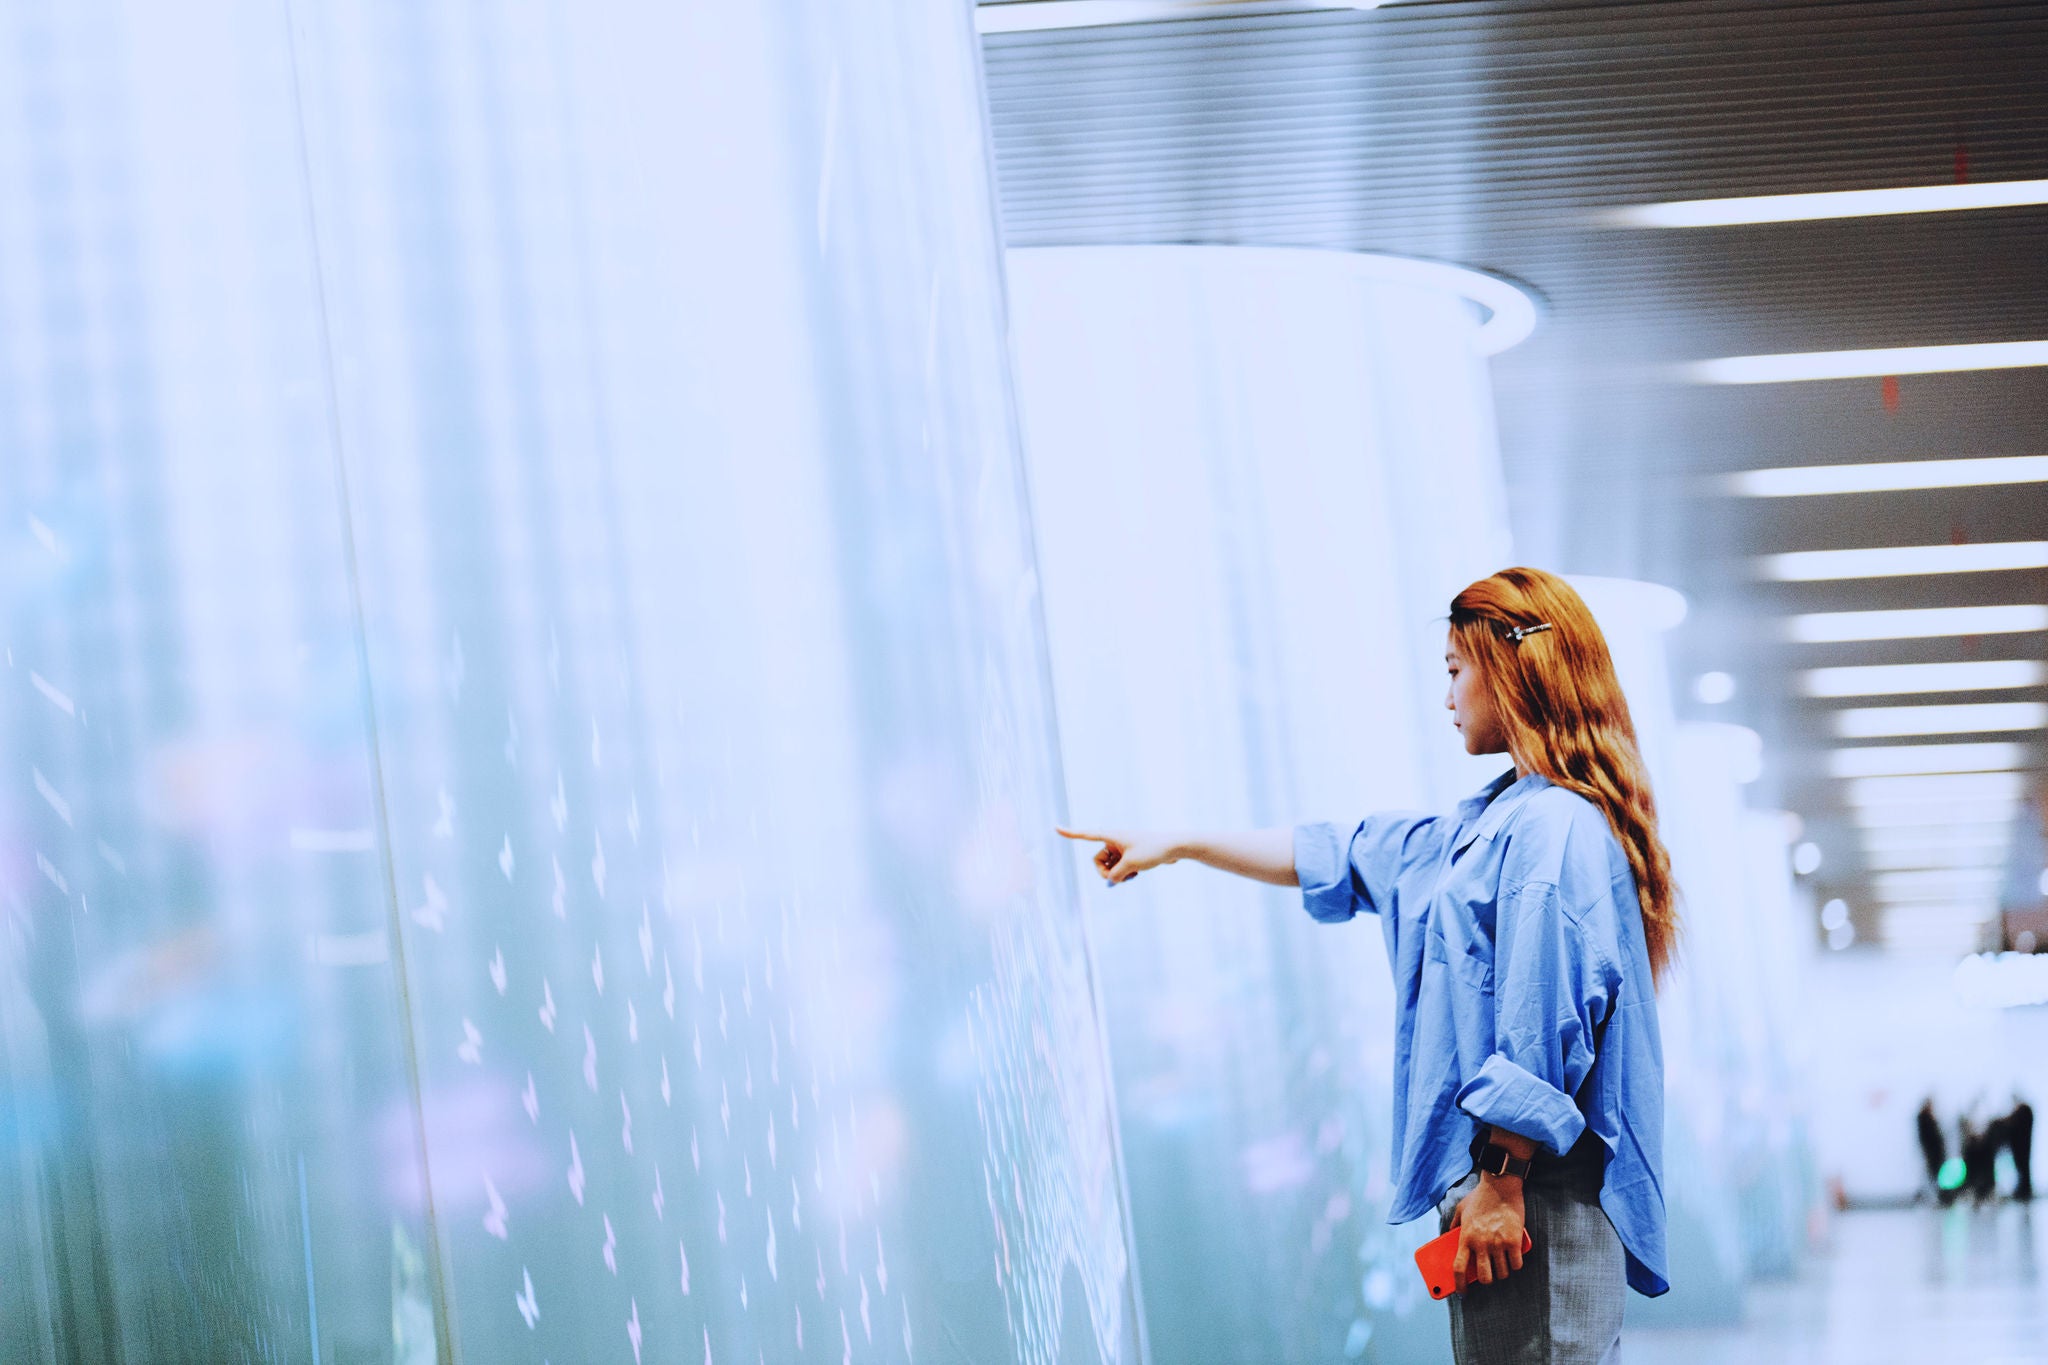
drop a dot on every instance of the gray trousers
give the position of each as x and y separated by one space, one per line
1563 1307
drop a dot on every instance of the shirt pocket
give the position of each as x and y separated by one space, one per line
1466 967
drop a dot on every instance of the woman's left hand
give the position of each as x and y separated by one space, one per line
1491 1220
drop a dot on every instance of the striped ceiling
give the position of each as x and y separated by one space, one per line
1496 133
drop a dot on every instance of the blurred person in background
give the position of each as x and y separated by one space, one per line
2019 1136
1933 1147
1980 1144
1526 931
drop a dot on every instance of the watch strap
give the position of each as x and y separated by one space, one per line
1495 1159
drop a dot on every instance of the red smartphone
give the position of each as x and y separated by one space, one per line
1436 1258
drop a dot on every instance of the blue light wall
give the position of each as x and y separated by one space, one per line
528 762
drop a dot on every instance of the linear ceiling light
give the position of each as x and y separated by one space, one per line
1898 760
1928 819
1920 623
1938 836
1802 481
1871 722
1908 856
1875 722
1985 787
1929 883
1970 907
1807 566
1023 16
1878 679
1796 208
1890 360
1916 858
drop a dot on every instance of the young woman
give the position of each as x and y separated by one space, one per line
1526 930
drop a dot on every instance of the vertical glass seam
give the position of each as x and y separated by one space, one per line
1022 469
444 1333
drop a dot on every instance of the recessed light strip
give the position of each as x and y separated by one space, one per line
1938 836
1808 480
1923 859
1901 760
1932 882
1873 722
2003 788
1870 364
1957 905
1898 561
1794 208
1920 623
1024 16
1966 676
1931 817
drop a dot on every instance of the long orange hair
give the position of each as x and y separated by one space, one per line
1560 704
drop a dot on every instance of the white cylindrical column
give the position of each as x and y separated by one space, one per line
1258 478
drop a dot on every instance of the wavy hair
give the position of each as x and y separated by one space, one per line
1560 705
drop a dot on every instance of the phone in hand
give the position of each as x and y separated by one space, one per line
1437 1257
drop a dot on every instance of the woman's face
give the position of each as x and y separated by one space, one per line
1471 706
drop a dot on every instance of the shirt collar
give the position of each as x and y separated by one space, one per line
1483 813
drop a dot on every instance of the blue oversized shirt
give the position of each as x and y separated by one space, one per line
1522 992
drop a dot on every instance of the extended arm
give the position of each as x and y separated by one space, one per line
1264 855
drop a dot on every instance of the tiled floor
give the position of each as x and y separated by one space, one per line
1896 1287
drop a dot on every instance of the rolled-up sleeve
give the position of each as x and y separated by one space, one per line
1550 993
1349 871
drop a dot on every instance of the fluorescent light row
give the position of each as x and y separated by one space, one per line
1794 208
1937 883
1806 566
1023 16
1938 837
1968 907
1868 364
1891 476
1919 623
1904 760
1873 722
1913 857
1990 788
1877 679
1936 814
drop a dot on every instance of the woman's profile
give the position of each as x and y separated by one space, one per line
1526 931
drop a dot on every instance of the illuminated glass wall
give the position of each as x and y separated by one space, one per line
1258 478
210 1152
528 758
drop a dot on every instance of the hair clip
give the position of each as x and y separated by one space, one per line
1520 633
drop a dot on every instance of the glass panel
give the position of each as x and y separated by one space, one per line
754 1010
209 1154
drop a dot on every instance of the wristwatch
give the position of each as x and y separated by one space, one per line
1495 1159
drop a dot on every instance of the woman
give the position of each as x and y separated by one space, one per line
1526 931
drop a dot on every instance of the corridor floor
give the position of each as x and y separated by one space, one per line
1960 1286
